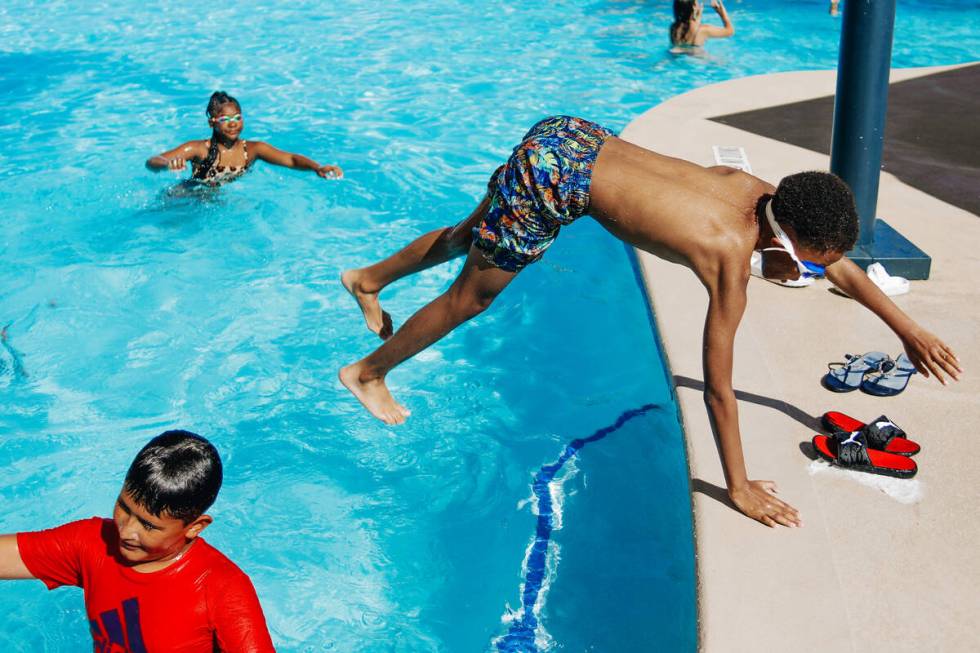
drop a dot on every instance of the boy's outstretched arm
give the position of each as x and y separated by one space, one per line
269 154
11 564
929 354
726 305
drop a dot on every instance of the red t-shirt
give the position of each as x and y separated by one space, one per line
199 604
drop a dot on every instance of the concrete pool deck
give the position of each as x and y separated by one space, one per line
881 564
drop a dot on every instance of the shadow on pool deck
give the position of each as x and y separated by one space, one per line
801 416
932 132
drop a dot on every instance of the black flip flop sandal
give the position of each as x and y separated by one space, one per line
853 453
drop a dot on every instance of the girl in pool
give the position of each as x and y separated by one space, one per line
225 157
687 34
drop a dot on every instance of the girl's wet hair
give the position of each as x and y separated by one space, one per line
218 100
178 473
683 11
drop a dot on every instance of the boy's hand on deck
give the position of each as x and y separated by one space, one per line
758 500
930 355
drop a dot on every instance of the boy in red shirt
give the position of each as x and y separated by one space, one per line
151 583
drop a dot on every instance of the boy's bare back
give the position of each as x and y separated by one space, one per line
677 210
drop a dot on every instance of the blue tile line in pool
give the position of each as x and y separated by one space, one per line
524 634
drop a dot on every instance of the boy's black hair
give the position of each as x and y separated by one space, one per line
820 208
177 473
217 100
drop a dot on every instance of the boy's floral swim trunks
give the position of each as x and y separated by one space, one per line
544 185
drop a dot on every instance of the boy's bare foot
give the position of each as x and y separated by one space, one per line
374 395
378 321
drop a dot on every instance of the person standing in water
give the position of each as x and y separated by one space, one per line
226 156
688 34
710 220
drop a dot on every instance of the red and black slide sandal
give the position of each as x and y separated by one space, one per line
853 453
881 433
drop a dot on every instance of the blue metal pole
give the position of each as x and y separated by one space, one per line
860 104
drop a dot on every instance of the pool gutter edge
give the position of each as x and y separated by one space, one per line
640 262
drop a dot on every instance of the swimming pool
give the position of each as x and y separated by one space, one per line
128 312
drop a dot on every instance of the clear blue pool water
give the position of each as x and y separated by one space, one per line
127 312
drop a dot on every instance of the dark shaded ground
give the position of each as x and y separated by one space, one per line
932 132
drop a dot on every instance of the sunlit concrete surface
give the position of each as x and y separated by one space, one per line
881 564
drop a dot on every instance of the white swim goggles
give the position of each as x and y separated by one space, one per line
778 255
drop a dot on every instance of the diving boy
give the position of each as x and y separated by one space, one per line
151 583
708 219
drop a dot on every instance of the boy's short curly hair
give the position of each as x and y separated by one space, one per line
820 208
